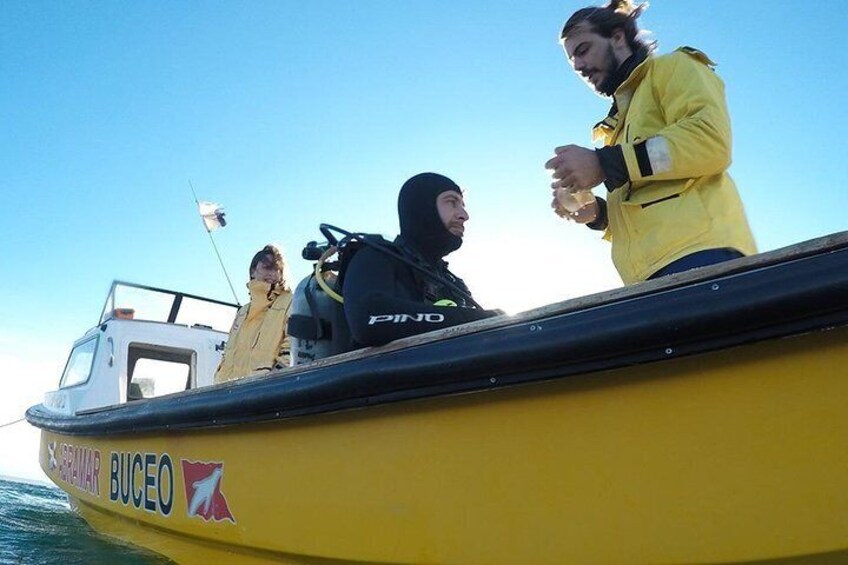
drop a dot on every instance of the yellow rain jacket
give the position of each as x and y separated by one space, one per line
258 338
674 130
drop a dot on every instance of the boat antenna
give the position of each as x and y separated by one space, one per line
212 221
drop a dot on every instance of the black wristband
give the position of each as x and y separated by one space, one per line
601 221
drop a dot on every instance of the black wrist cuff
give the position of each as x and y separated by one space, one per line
602 221
614 166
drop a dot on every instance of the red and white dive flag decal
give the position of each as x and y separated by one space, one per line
203 491
212 214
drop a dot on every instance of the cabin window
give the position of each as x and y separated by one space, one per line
201 312
78 368
156 370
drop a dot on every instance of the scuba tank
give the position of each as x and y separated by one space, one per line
310 324
317 324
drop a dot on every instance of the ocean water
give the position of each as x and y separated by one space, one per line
38 527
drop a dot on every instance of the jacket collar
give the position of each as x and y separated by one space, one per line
635 68
263 294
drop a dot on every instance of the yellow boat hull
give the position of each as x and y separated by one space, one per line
733 456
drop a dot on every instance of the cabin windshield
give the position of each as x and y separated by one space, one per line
137 302
78 368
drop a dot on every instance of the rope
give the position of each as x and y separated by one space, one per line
12 423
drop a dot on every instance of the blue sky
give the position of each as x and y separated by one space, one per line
295 113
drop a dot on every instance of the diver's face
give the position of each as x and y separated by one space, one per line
451 208
593 56
266 272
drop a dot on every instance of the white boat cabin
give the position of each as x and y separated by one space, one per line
149 342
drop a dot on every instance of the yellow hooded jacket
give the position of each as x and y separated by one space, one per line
674 130
258 340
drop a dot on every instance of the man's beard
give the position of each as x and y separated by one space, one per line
611 81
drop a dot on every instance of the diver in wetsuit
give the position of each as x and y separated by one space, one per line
386 299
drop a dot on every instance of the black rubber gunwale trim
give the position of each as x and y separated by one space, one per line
798 296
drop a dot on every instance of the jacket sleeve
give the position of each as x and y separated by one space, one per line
377 310
697 140
601 221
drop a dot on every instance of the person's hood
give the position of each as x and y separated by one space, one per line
420 224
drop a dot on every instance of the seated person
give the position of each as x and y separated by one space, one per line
258 341
387 299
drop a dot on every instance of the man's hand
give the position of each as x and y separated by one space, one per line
585 215
575 167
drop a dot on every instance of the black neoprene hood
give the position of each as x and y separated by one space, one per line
420 224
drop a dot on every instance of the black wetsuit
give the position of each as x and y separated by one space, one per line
386 299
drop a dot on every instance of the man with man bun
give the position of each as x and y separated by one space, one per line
667 147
